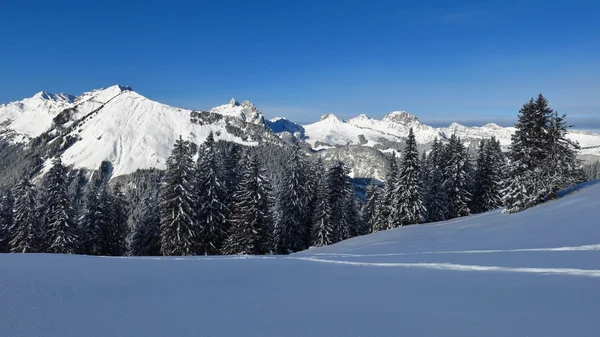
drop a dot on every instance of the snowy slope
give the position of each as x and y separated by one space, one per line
32 116
535 274
134 132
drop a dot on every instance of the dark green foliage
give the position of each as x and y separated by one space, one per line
179 231
251 218
211 209
6 220
26 230
57 212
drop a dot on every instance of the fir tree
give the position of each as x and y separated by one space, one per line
294 206
145 240
487 179
179 231
435 196
251 215
322 228
57 211
388 198
369 209
542 159
211 210
26 232
456 179
90 223
6 220
340 195
119 213
408 191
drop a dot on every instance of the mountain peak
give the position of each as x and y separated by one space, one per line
233 102
43 95
331 117
401 117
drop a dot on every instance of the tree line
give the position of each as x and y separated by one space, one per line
226 201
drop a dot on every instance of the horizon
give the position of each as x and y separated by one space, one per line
466 62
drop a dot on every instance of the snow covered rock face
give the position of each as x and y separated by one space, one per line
245 111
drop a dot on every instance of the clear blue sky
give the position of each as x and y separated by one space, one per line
466 61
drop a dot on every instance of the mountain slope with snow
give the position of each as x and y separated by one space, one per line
535 273
134 132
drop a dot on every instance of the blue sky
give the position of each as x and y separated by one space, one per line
467 61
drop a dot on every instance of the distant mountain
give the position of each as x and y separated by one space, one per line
133 132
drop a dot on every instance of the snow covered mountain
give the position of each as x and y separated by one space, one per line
534 273
121 126
134 132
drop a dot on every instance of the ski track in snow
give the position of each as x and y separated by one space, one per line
558 249
321 258
463 267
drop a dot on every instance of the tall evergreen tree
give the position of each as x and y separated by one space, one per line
57 211
251 215
542 160
456 179
487 178
119 211
145 240
26 232
6 220
388 198
408 191
341 198
369 209
211 209
322 228
91 222
179 231
294 206
435 196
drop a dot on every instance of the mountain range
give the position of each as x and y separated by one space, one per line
133 132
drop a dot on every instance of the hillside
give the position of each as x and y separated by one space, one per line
534 273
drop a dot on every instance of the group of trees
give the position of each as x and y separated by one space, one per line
542 159
239 200
442 185
229 206
44 220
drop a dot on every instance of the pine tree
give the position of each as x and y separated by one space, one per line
26 232
57 211
408 191
251 215
488 177
542 160
456 179
435 196
369 209
341 198
145 240
211 210
388 198
6 220
562 166
179 231
294 206
90 224
322 228
119 213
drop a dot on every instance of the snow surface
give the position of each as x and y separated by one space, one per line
535 273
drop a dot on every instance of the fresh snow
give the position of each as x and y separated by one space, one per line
534 273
